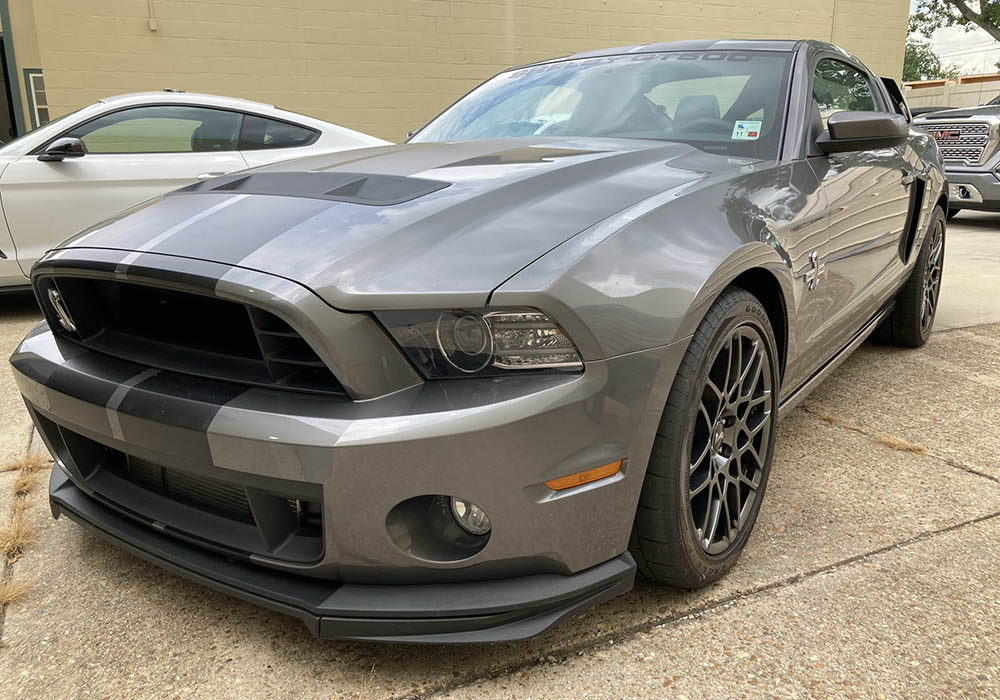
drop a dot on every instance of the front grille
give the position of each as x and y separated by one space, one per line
248 514
216 497
186 332
970 155
964 142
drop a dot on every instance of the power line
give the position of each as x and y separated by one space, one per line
970 49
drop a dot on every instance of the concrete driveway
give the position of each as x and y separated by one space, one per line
872 573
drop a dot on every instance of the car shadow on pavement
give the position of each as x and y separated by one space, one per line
977 221
18 306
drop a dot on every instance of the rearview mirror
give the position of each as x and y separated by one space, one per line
66 147
863 131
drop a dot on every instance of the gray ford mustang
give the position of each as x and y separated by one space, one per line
459 389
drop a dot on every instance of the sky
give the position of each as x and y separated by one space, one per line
974 52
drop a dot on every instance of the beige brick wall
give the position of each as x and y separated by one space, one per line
387 66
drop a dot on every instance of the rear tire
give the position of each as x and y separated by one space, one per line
712 452
910 323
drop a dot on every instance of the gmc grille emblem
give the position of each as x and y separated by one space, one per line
946 134
65 320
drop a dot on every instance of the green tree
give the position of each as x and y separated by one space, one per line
930 15
921 63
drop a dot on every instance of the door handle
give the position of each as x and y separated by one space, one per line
207 176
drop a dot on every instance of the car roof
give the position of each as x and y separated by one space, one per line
171 96
697 45
784 45
181 97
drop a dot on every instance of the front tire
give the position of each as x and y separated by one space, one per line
911 321
712 452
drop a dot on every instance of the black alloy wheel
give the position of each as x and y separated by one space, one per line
932 276
917 301
729 438
711 456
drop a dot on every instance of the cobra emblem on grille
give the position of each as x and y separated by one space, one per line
65 320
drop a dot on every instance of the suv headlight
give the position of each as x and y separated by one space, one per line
481 342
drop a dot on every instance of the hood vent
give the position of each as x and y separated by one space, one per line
356 188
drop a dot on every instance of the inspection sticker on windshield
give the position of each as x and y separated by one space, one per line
744 130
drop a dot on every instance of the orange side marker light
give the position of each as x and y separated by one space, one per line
585 477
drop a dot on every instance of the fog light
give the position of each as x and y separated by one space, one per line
471 517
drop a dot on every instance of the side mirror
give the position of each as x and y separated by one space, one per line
66 147
863 131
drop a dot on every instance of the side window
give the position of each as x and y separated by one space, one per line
161 129
840 87
259 132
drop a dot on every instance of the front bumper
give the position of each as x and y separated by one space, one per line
495 442
979 191
471 612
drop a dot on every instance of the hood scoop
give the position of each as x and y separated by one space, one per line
356 188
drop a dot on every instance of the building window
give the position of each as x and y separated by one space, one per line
38 101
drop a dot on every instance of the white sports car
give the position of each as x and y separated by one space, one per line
82 168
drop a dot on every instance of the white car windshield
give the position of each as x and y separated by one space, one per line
14 145
729 102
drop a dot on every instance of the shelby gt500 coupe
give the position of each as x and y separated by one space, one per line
458 389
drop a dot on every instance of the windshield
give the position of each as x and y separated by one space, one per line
11 146
720 101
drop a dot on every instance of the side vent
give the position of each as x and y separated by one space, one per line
917 190
290 360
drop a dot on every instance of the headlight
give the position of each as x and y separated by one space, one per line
490 342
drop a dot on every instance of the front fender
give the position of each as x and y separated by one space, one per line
641 280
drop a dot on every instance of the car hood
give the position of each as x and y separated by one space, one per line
437 222
960 113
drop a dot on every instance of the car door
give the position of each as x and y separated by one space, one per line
867 194
10 271
132 155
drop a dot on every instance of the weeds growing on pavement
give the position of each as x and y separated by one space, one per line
15 535
24 483
901 444
12 590
34 462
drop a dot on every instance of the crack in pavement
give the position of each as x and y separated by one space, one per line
855 428
628 633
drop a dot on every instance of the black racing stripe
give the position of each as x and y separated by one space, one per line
178 400
187 405
90 376
90 263
183 445
42 327
231 234
198 274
